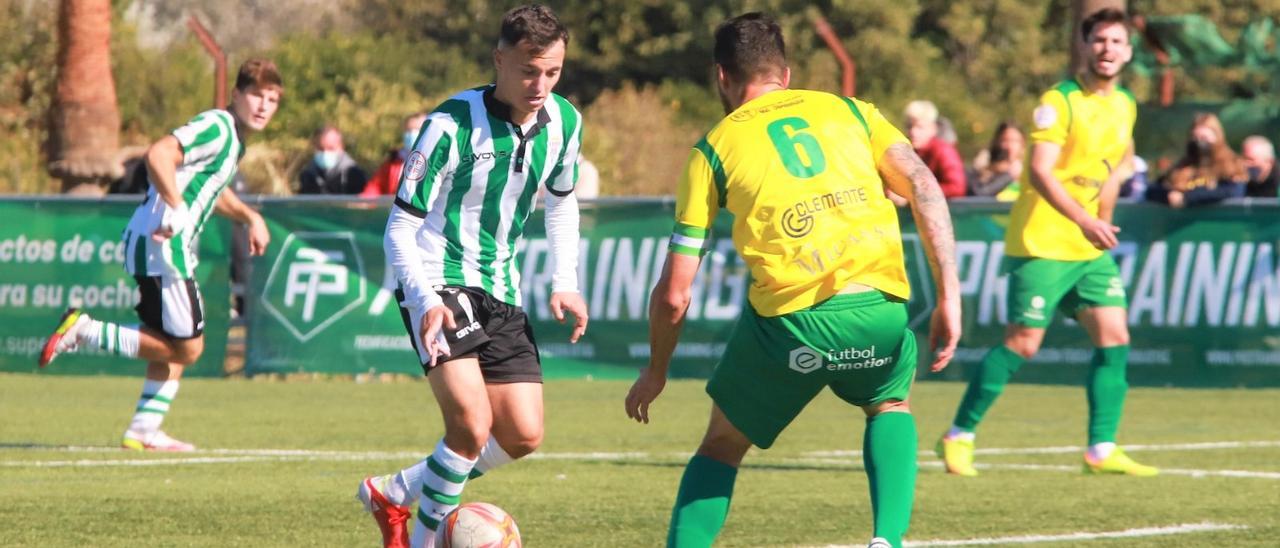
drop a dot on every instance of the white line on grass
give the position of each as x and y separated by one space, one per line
1180 529
1062 449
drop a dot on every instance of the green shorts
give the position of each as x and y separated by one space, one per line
858 344
1037 287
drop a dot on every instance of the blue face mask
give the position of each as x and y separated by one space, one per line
326 159
409 138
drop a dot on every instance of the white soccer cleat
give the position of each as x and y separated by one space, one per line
879 543
157 441
66 337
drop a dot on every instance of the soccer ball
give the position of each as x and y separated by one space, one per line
477 525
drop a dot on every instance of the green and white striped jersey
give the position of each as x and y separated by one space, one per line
473 177
211 149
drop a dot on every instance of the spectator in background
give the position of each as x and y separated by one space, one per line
331 170
999 166
1134 188
942 157
386 180
1208 171
1260 163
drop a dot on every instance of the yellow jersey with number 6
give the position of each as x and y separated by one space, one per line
1095 132
797 169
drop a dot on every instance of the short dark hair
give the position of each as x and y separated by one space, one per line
535 23
750 45
1101 17
259 72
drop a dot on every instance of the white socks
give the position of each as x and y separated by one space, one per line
153 406
117 340
1100 451
956 433
402 488
442 482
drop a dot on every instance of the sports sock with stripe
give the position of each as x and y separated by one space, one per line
115 339
1106 390
702 503
889 455
986 385
153 406
402 487
442 481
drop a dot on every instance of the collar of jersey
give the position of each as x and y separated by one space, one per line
502 111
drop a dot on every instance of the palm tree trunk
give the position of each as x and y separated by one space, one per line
84 132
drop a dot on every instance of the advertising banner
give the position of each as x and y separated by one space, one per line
1203 288
57 252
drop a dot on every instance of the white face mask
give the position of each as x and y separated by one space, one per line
326 159
409 138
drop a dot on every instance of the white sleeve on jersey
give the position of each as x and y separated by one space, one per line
562 235
401 246
565 177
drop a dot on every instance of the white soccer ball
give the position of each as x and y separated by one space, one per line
477 525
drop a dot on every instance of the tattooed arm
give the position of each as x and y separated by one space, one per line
906 175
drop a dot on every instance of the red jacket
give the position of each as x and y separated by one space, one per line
944 161
385 181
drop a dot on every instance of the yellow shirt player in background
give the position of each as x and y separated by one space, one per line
1056 245
804 174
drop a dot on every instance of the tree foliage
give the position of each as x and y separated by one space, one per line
639 69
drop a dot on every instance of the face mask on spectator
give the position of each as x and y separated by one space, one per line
409 138
326 159
1204 145
1255 173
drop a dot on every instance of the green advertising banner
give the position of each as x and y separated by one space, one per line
57 252
1203 285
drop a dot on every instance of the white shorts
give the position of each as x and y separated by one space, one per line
171 305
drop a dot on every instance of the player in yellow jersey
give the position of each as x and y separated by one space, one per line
1056 244
804 174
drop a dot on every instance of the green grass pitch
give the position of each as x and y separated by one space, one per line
604 481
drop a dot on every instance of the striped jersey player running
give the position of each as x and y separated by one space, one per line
188 170
466 191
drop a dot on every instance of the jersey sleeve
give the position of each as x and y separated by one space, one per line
564 177
1051 119
697 202
425 167
204 137
882 133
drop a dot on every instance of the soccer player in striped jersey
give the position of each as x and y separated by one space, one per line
189 171
804 174
466 190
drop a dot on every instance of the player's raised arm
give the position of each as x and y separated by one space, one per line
907 176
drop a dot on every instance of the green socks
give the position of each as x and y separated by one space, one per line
702 504
986 385
1107 388
889 454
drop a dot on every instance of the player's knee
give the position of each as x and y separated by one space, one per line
890 406
523 445
1023 345
187 352
467 441
725 448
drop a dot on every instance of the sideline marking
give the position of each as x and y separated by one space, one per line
1180 529
1061 449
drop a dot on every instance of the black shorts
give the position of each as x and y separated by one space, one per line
497 334
171 305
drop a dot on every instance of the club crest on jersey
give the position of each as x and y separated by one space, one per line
1045 116
416 166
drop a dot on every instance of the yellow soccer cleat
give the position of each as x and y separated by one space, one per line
957 455
1118 463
